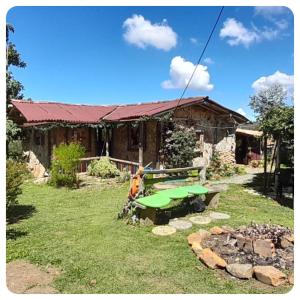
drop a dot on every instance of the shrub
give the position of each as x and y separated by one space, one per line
240 169
124 176
103 168
217 169
178 147
15 174
65 163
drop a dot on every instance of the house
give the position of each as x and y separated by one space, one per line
131 132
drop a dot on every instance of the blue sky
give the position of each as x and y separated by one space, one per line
108 55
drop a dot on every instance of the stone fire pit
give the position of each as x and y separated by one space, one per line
265 252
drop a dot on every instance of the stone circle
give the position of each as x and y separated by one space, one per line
200 220
163 230
219 216
180 224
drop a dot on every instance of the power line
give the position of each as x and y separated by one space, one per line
198 62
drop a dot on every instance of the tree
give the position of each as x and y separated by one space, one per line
178 146
13 91
265 100
13 58
276 120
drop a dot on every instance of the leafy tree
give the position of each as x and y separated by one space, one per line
64 166
13 91
266 99
13 58
178 147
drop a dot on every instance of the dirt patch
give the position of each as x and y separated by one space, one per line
25 278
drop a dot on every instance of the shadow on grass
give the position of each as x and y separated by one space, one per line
257 184
13 234
19 212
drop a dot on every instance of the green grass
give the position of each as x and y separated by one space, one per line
77 231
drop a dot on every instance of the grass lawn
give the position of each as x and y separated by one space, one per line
77 231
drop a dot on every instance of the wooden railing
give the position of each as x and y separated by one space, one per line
121 164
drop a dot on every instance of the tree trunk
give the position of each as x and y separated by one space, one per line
265 164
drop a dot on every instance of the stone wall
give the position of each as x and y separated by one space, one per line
39 145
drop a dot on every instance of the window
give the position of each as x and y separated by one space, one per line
39 138
134 137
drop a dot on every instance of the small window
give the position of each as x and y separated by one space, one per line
39 138
134 137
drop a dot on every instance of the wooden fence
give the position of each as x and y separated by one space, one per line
121 164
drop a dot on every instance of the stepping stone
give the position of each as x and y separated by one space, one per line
180 224
200 220
163 230
219 216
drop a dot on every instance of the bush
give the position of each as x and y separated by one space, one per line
103 168
217 169
15 175
179 147
65 164
240 170
124 176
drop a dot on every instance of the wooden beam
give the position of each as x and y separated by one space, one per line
141 143
174 170
106 142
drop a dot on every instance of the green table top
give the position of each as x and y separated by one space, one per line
176 193
155 201
163 198
196 189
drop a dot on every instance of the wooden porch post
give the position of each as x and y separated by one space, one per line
141 143
106 142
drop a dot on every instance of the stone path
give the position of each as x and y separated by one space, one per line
183 224
25 278
163 230
200 220
180 224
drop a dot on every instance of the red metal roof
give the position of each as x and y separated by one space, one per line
51 111
36 112
135 111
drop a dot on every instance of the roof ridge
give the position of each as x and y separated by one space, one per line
105 105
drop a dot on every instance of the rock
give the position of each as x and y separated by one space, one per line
197 248
163 230
146 222
269 275
286 241
200 220
93 282
204 233
264 248
227 228
197 237
243 271
212 199
211 259
218 216
217 230
180 224
194 238
291 278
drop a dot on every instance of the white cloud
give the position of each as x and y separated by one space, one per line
180 73
285 80
241 112
270 11
208 60
237 34
272 14
142 33
193 40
